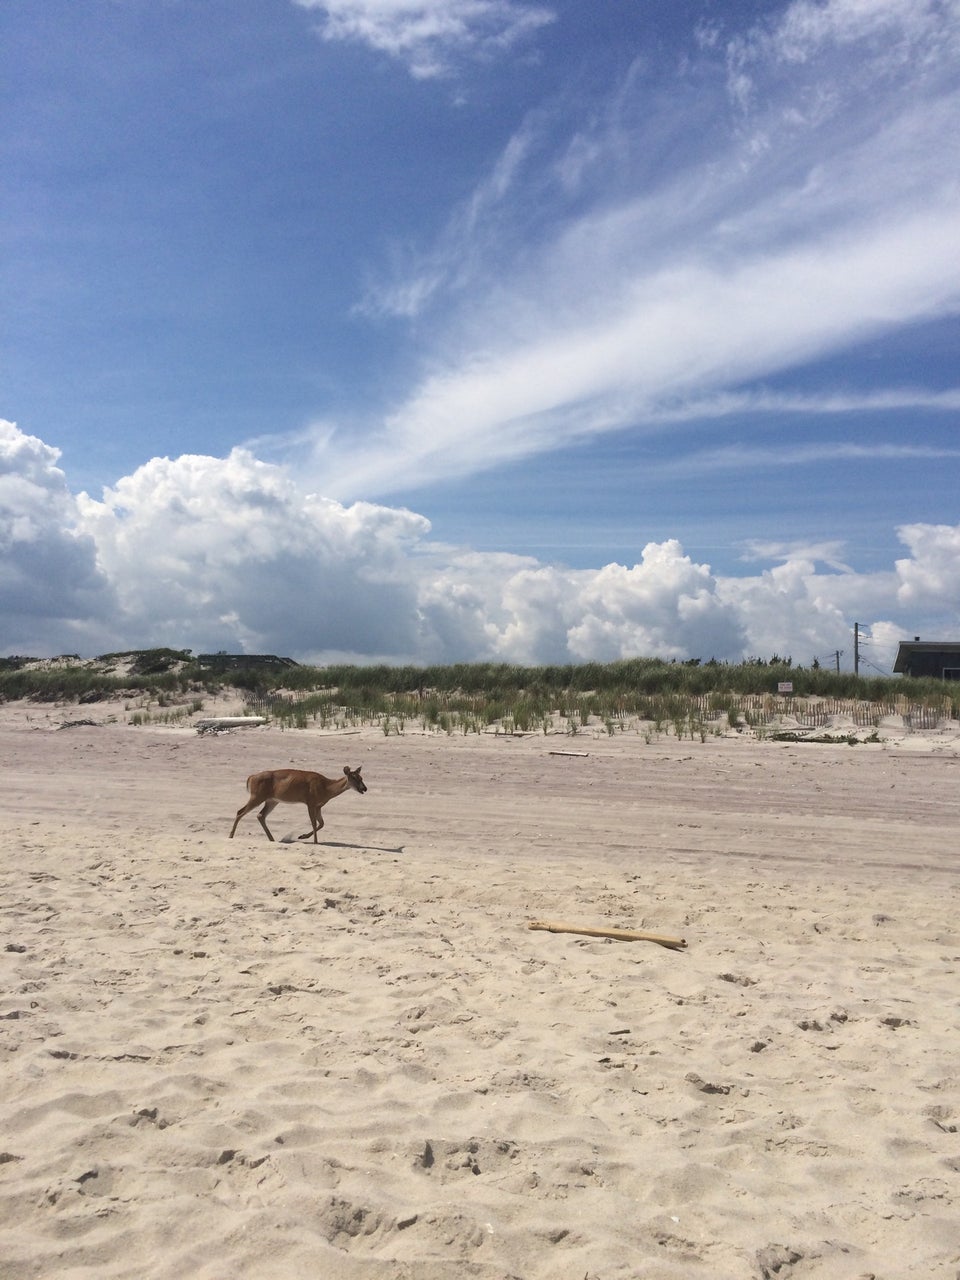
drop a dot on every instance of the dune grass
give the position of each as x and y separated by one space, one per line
688 698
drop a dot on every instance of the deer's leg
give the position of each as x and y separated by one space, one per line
251 804
316 819
262 816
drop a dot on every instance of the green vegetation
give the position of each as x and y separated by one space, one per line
159 672
648 695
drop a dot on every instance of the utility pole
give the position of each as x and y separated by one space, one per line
856 648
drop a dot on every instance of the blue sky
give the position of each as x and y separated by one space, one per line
433 330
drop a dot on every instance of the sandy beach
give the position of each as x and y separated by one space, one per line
231 1058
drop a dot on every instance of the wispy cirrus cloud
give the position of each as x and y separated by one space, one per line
682 333
582 290
764 401
737 457
431 36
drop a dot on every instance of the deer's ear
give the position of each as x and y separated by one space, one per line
346 770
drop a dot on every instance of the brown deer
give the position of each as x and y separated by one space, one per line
296 786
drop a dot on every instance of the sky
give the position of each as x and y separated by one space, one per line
425 331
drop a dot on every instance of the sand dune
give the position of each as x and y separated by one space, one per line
230 1058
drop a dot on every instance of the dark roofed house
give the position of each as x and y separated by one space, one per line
939 659
242 661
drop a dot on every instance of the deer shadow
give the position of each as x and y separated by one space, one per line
342 844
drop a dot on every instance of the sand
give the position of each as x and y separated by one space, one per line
230 1058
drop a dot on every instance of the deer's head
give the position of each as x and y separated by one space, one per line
353 778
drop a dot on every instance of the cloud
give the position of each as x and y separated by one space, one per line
683 331
431 37
790 610
900 28
739 457
932 573
520 611
233 553
889 37
584 289
725 404
458 260
808 553
666 605
50 581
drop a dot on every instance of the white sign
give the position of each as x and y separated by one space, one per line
785 686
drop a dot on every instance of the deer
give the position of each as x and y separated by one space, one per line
296 786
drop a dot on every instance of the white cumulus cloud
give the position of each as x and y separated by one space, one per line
233 553
931 575
50 581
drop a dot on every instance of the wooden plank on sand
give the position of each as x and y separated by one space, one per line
621 935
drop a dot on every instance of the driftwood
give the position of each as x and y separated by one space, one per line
214 723
581 754
621 935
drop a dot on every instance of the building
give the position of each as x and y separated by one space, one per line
938 659
242 661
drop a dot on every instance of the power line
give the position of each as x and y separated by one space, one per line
879 670
835 656
858 659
